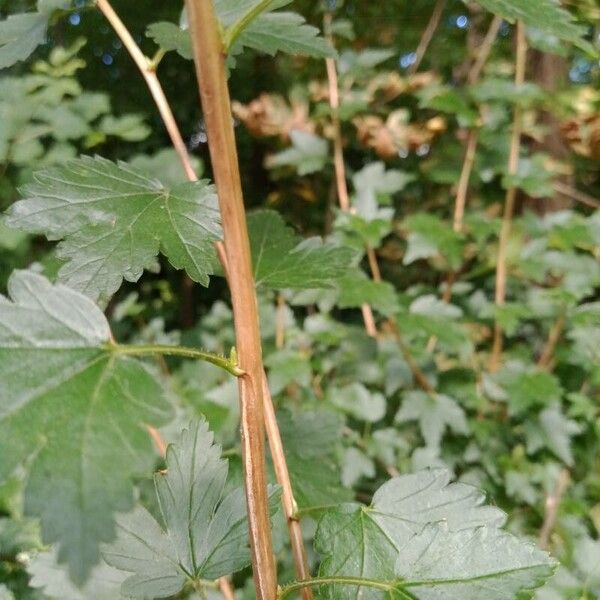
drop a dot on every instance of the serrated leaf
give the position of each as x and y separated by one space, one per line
364 542
170 36
308 153
311 441
48 575
113 220
287 32
127 127
356 400
547 15
470 564
357 289
205 535
20 35
434 414
372 183
75 409
283 259
553 431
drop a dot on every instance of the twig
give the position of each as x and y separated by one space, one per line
545 359
226 589
280 323
551 507
427 36
209 59
147 68
158 440
567 190
509 205
287 494
484 50
338 156
462 188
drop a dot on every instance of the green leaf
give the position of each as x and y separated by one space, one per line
164 165
357 289
361 541
546 15
130 128
113 220
553 431
283 259
308 153
48 575
74 409
287 32
356 400
526 389
205 534
170 36
471 564
20 35
311 442
434 413
430 237
5 593
374 185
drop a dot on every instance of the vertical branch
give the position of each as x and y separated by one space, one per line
427 36
509 205
556 331
338 157
209 59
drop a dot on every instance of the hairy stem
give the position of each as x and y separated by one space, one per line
209 58
427 36
509 204
220 361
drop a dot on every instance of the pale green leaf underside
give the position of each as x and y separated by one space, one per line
113 221
307 154
170 36
546 15
75 410
52 578
206 534
282 259
20 35
471 564
365 542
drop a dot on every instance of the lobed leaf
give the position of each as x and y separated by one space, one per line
20 35
114 219
283 259
205 534
73 409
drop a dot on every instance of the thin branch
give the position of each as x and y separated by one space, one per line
484 50
427 36
147 68
338 156
226 589
158 440
282 474
509 205
554 336
567 190
551 507
462 188
209 58
280 323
